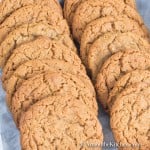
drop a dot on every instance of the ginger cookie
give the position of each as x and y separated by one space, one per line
90 10
27 33
109 44
7 7
130 118
29 14
35 67
115 67
60 48
63 122
131 3
49 84
121 23
70 7
130 78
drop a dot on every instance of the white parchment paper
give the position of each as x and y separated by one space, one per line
9 135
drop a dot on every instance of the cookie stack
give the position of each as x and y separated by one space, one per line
114 46
48 92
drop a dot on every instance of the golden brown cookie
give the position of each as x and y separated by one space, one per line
131 3
115 67
70 7
29 14
130 78
27 33
63 122
49 84
97 28
90 10
61 48
7 7
35 67
130 118
110 43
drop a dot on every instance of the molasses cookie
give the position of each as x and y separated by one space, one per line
121 23
130 118
90 10
63 122
131 3
29 14
131 78
110 43
29 32
70 7
35 67
49 84
60 48
115 67
7 7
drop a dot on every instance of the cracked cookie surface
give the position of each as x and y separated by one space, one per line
29 32
97 28
34 67
130 117
109 44
61 48
70 7
7 7
49 84
115 67
29 14
131 3
63 122
131 78
90 10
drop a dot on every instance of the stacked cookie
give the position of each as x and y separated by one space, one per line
48 92
114 46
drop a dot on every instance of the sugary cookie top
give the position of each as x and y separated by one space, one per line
118 65
49 84
29 32
110 43
131 78
61 48
63 122
33 67
29 14
130 117
90 10
7 7
98 27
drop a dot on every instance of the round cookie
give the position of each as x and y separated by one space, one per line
130 118
121 23
90 10
109 44
131 3
49 84
115 67
70 7
27 33
35 67
67 122
29 14
130 78
7 7
42 48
